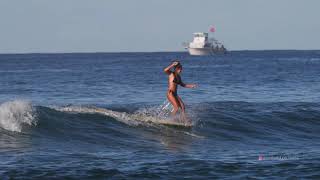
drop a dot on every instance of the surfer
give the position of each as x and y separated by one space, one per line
174 80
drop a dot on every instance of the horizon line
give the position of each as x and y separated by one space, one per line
128 52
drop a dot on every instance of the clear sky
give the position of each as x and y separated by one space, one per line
155 25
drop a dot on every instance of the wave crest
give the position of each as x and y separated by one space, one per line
13 114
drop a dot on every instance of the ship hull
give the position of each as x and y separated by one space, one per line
205 51
200 51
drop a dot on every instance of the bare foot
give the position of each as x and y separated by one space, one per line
185 120
188 122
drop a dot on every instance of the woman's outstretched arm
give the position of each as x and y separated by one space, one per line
188 85
167 69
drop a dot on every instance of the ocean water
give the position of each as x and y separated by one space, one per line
256 114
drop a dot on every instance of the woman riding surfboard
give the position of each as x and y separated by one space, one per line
174 80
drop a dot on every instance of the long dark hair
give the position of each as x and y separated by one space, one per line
179 65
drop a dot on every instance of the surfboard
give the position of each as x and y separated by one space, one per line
126 117
166 122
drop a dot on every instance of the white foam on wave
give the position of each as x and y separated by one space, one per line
13 114
120 116
163 111
135 119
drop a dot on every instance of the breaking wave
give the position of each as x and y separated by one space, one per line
15 114
220 121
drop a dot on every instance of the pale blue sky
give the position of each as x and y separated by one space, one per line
155 25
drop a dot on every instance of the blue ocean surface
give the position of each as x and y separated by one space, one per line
255 114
